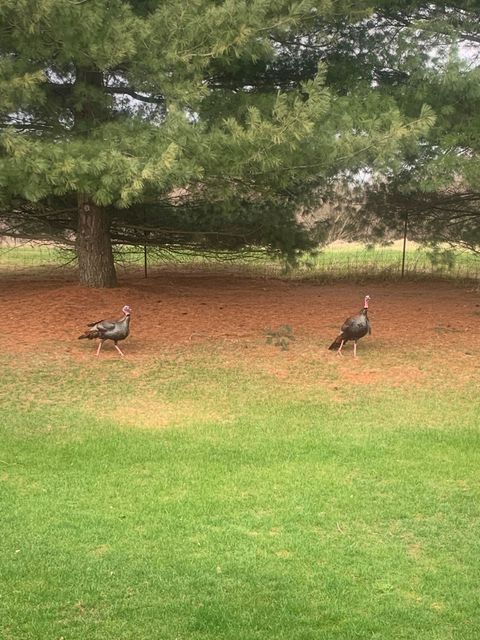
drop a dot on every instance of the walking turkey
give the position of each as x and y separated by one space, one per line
115 330
353 328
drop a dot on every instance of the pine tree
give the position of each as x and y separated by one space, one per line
122 102
431 51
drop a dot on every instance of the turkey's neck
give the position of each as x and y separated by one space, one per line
365 311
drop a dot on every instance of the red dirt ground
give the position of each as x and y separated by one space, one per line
436 319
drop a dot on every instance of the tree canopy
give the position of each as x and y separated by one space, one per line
212 123
437 184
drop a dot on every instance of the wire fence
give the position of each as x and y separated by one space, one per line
34 259
350 261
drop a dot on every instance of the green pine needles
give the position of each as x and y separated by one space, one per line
229 107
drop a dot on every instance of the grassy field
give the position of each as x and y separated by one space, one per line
340 260
193 497
28 257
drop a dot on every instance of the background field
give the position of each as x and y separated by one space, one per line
339 260
211 485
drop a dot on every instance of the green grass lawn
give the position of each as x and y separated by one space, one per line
255 509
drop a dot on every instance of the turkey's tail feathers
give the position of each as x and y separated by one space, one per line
337 342
90 335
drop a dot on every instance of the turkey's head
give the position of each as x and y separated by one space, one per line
365 304
126 310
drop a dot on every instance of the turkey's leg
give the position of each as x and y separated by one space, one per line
119 350
355 349
99 347
339 352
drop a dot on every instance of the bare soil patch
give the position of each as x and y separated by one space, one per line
418 328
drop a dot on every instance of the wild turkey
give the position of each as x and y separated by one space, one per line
109 330
353 328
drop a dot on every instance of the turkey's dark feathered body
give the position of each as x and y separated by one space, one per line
353 328
108 329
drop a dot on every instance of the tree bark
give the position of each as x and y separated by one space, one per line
94 245
93 242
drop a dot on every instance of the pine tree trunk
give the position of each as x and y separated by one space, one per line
94 246
93 243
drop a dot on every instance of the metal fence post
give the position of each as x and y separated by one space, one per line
405 229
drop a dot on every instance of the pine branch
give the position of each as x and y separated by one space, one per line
134 94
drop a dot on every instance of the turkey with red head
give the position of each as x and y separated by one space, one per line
353 328
115 330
